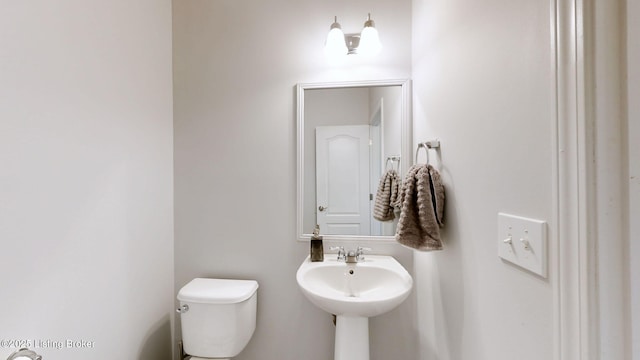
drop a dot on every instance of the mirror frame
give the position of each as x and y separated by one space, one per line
406 129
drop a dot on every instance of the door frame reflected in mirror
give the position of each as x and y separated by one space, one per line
406 128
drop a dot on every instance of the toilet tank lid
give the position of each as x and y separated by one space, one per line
217 291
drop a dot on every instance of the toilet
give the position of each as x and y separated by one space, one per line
218 317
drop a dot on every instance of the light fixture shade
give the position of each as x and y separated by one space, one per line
335 44
369 40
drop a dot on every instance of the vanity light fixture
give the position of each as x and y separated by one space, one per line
367 42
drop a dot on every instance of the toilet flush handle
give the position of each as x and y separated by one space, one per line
182 309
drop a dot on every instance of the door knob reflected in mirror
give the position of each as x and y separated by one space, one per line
322 208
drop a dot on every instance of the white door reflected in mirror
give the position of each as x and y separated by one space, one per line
342 179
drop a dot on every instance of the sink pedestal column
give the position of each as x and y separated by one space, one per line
352 338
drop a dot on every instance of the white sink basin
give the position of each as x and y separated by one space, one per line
368 288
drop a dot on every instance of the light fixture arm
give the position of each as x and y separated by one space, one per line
336 24
369 22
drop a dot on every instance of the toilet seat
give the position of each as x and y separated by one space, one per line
199 358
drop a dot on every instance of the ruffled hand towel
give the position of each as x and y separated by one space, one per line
387 196
422 209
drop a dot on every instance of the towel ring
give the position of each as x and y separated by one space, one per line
433 144
393 159
426 151
386 164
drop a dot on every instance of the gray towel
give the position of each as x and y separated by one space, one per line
422 209
387 196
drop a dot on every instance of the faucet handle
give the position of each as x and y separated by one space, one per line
342 255
360 251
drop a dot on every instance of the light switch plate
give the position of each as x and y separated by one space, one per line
523 242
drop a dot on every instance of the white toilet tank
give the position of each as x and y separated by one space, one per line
218 316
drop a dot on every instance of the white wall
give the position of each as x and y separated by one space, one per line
610 183
236 65
86 178
483 84
390 96
392 111
633 96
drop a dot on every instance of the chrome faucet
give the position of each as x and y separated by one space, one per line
360 252
351 256
341 254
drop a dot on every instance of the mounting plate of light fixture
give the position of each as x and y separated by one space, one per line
365 43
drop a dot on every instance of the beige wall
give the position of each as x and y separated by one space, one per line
483 83
86 209
633 99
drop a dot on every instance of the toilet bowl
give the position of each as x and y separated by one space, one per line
218 317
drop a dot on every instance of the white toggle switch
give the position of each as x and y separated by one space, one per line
530 252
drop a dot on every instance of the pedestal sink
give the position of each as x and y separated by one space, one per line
354 292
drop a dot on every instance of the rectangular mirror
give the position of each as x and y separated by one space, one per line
349 135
